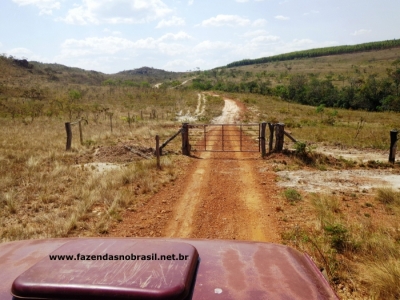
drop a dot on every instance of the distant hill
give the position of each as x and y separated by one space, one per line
144 71
151 75
33 72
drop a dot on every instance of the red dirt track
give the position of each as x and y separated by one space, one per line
220 195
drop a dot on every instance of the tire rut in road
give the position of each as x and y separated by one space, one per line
224 201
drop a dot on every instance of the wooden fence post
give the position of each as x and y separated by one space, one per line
158 152
185 139
279 135
262 137
80 131
271 136
111 114
393 145
69 135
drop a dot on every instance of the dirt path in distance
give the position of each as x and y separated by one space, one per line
221 196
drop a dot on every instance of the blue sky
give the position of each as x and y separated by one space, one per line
115 35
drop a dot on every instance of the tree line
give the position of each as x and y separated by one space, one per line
317 52
372 93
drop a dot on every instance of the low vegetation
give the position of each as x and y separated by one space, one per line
359 254
292 195
48 192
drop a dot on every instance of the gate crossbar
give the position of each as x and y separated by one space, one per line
209 135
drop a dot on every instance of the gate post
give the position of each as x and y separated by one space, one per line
271 136
393 145
185 139
279 135
262 137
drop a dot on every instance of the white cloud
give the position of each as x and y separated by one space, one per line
172 49
282 18
361 32
111 45
45 6
259 22
265 38
117 12
95 45
242 1
177 63
20 52
113 32
25 53
174 21
178 36
190 2
183 64
226 20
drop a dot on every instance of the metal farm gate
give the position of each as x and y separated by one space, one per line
225 137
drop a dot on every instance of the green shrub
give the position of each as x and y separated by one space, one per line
339 236
292 195
301 148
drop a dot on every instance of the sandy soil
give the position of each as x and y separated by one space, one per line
354 181
189 117
355 154
230 113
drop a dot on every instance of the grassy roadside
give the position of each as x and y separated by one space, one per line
45 193
337 127
359 253
353 236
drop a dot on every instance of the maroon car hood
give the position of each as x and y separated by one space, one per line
215 269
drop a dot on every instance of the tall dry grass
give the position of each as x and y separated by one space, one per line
46 192
360 255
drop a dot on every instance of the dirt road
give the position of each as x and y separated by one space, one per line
221 196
